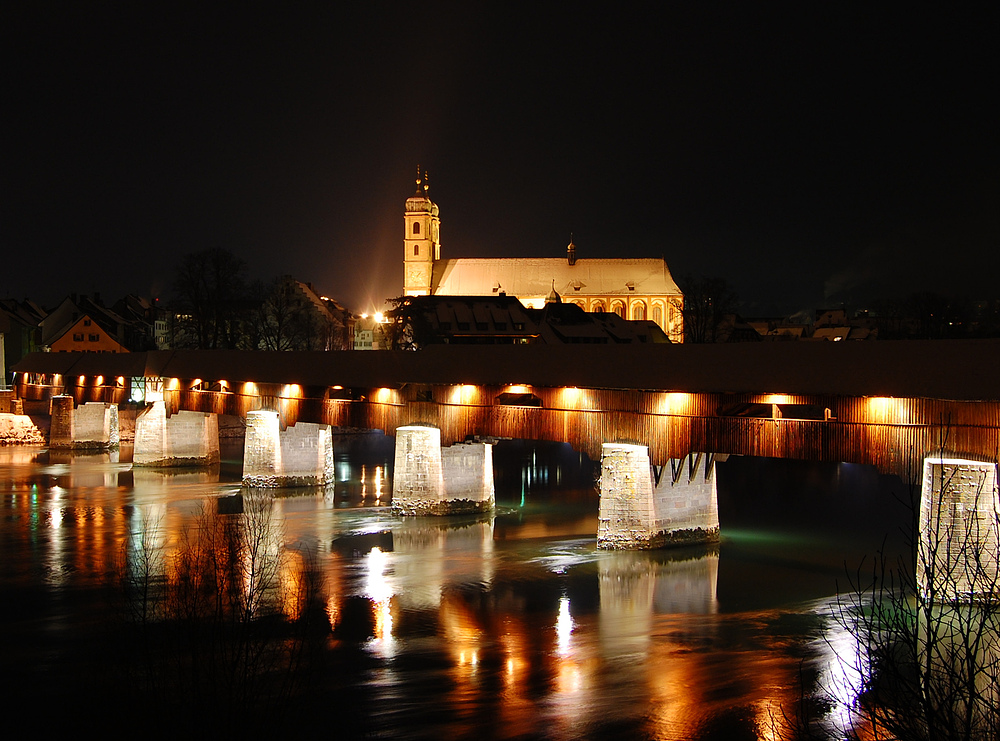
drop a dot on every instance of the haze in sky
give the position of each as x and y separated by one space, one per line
810 157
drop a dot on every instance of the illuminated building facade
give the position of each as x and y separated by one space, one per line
633 288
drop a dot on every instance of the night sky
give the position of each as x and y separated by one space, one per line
811 156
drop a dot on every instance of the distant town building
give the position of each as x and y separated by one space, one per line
297 317
82 324
370 332
146 323
19 325
637 289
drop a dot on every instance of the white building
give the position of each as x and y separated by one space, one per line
633 288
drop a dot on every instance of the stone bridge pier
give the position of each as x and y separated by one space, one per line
646 506
958 556
92 425
431 480
299 455
182 439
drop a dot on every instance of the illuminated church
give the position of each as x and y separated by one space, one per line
633 288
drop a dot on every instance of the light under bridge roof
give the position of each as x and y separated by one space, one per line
964 370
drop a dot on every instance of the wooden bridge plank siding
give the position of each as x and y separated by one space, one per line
889 403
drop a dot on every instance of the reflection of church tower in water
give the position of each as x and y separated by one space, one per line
422 244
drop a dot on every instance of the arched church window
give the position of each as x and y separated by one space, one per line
638 312
599 307
658 315
618 308
416 227
416 250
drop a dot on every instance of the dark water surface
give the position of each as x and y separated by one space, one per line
505 627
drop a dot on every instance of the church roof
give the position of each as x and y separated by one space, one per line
537 276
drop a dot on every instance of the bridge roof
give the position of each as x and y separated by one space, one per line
942 369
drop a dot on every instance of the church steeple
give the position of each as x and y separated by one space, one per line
421 240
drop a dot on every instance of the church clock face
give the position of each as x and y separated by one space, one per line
417 275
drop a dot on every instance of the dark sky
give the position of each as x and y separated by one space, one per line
810 156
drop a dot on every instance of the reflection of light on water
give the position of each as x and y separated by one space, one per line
379 483
564 626
463 636
771 721
383 621
572 699
333 610
364 482
56 515
569 681
843 671
516 665
380 592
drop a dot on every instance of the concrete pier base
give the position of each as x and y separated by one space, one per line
431 480
182 439
301 455
643 506
93 425
10 404
958 555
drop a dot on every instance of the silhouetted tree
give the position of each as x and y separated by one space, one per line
707 302
407 327
210 300
220 632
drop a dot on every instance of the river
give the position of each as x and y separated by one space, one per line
506 627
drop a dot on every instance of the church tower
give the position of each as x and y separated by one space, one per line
421 241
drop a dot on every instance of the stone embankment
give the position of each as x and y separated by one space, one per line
20 429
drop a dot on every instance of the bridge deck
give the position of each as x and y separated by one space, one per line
883 403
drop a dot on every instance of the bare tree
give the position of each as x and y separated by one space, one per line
216 627
707 302
210 294
924 660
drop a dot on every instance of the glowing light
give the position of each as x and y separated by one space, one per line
120 381
564 627
677 402
249 387
383 395
81 380
175 383
777 399
464 394
886 409
519 388
380 317
99 381
292 391
571 396
196 383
